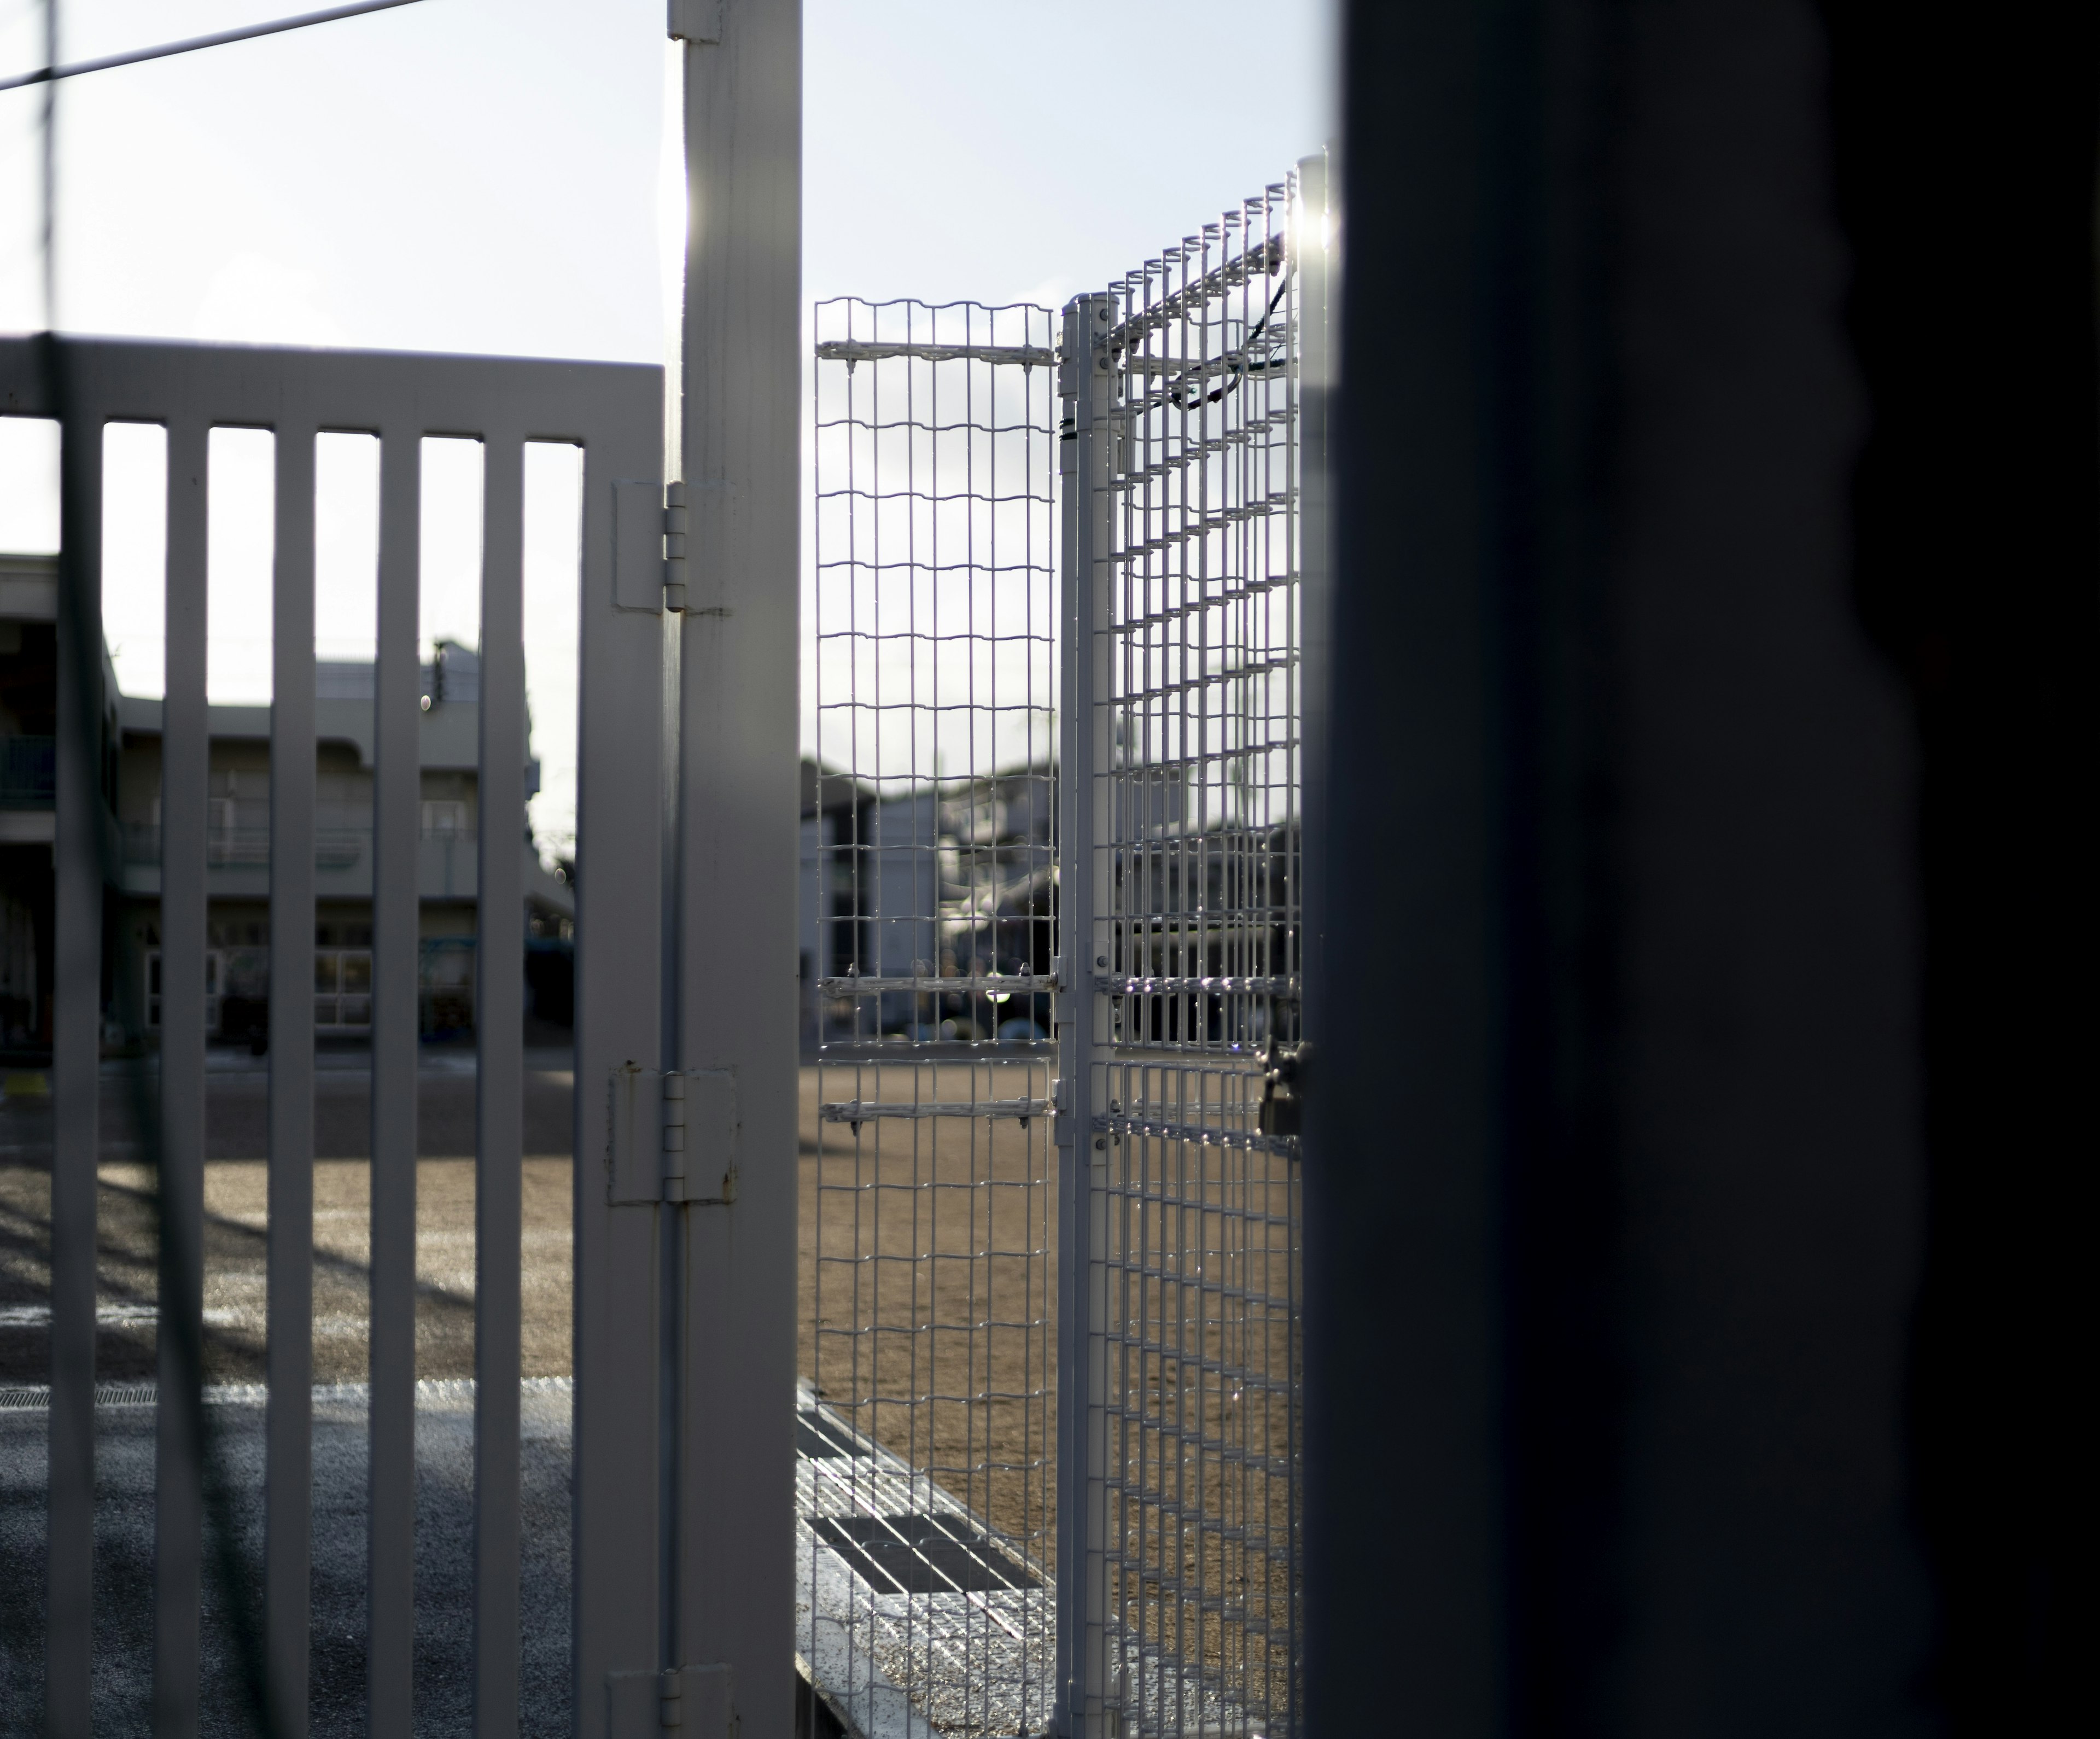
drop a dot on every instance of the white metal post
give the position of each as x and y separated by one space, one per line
1313 248
1071 1094
1313 252
736 1006
1088 381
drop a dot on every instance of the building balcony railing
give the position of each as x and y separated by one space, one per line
28 772
334 848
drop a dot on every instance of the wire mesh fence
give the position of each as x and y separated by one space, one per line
1194 630
1053 1000
926 1501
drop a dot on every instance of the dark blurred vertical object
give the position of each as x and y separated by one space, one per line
1696 1144
1964 150
76 1052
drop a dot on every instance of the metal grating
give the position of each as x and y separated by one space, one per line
929 876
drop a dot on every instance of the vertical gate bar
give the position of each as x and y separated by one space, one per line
622 705
741 375
1097 794
288 1545
499 1016
1073 1132
76 1031
396 820
185 790
1082 1585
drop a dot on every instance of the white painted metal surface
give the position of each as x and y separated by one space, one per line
726 1587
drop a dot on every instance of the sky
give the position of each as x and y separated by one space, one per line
491 176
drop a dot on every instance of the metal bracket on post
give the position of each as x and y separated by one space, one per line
694 1701
694 20
673 1131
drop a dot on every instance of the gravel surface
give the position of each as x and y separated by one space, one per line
444 1558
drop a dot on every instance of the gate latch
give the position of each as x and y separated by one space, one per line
673 1137
1283 1086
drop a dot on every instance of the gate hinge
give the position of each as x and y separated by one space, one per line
650 524
693 1700
673 1137
674 546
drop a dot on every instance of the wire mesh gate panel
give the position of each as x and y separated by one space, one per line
926 1494
965 898
1182 878
613 413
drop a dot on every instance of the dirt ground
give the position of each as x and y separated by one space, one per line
926 1263
926 1268
236 1219
928 1278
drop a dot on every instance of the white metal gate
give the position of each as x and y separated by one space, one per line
1162 1508
614 414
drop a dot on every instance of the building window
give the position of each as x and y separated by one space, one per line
445 818
212 960
342 989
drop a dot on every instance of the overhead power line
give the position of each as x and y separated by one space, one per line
46 75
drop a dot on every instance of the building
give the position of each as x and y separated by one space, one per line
238 841
948 881
28 723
